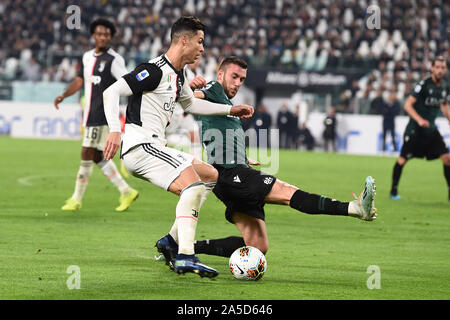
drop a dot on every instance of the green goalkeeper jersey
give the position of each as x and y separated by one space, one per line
429 99
222 136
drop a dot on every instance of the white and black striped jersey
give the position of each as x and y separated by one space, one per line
99 71
157 87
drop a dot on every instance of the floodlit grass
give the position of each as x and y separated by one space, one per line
310 257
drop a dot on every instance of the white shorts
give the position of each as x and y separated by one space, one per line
156 163
95 137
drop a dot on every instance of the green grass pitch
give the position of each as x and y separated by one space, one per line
310 257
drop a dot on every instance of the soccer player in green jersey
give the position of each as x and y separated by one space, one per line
422 138
244 190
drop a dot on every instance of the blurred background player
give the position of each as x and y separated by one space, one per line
422 138
100 68
244 190
390 110
329 133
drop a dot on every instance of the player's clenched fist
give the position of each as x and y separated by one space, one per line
244 111
197 83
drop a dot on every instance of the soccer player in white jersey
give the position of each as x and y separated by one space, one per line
101 67
155 88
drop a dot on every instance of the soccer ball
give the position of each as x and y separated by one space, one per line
248 263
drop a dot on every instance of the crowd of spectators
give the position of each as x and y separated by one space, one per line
312 35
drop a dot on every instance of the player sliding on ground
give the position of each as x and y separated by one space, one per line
244 190
155 87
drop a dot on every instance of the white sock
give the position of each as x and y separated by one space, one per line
174 231
208 188
83 175
110 171
354 209
187 216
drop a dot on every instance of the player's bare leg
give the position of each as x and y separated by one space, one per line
281 193
205 171
253 231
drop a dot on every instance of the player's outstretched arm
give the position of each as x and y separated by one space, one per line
207 108
243 111
111 100
409 109
76 85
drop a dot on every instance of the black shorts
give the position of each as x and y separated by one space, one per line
419 146
243 189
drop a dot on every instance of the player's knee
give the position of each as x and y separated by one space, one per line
264 247
191 195
401 161
88 153
211 174
260 243
446 159
214 175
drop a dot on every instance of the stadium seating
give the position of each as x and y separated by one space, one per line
311 35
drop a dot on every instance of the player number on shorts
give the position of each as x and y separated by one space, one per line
93 132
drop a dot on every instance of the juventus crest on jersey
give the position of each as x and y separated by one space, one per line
157 86
99 71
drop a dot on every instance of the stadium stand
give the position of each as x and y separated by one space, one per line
286 34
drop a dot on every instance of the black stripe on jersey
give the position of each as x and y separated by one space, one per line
180 77
101 78
168 62
165 155
160 155
161 62
133 114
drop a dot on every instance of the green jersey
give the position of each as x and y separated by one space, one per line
429 99
222 136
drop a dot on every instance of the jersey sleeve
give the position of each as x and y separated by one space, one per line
418 89
186 96
210 92
146 77
118 69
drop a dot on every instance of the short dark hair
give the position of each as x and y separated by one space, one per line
438 58
103 22
186 24
233 60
